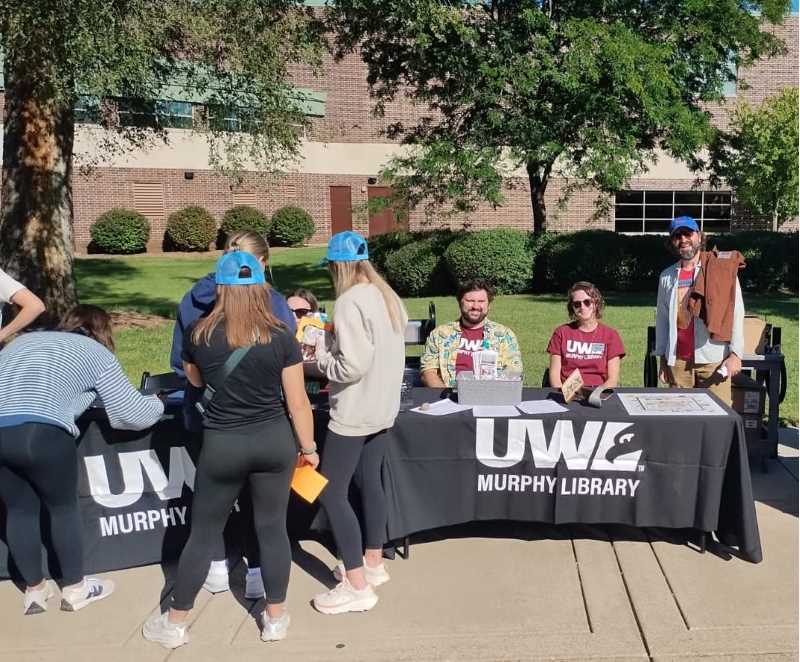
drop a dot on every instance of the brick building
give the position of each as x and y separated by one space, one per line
344 149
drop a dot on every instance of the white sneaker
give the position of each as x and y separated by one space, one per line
275 629
92 590
36 600
216 581
374 576
254 585
158 629
345 598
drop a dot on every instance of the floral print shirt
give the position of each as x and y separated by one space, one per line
441 349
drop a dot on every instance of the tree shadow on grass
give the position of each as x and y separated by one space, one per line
287 278
96 280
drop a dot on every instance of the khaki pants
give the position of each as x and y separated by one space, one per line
688 374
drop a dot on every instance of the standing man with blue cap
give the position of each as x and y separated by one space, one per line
700 314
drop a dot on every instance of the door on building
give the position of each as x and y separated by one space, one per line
387 219
341 209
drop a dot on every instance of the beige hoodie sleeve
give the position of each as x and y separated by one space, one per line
348 358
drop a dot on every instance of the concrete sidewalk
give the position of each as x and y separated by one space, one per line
480 598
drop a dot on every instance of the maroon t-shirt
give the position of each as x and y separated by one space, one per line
684 348
471 341
587 351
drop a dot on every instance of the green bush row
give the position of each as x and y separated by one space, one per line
426 263
195 229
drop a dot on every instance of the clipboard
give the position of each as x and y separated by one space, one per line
307 482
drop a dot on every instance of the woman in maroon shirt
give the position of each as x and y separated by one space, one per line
593 348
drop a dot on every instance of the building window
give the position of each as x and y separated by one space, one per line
650 211
87 110
156 114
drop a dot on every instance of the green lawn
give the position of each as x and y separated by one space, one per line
154 285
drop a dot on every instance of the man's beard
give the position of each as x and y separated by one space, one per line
465 318
688 253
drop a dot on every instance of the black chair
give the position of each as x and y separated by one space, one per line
416 334
163 383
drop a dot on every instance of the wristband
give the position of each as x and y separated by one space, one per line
309 451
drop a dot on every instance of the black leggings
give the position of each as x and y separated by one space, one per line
39 465
264 455
342 457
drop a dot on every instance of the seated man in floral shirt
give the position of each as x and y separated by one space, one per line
450 347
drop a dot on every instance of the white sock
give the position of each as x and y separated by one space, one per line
254 571
219 566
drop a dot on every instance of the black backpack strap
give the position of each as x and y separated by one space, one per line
209 391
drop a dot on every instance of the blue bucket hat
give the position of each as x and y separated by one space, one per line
347 246
682 222
229 267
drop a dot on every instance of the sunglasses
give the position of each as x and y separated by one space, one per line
680 234
576 305
301 312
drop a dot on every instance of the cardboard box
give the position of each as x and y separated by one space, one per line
756 335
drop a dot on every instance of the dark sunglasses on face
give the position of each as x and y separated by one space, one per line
301 312
680 234
576 304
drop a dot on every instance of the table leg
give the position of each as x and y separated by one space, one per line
703 541
774 405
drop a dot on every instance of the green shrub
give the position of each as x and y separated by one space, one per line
592 255
502 256
418 268
243 218
120 231
191 229
771 258
643 259
381 246
291 226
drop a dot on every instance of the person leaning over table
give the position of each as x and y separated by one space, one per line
585 343
699 314
363 361
248 437
30 306
450 346
47 380
195 304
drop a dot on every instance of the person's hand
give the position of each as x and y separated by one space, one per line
734 365
664 373
312 460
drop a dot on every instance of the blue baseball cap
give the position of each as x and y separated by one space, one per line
229 267
347 246
683 222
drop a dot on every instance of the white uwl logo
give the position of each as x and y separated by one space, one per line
579 347
576 454
134 465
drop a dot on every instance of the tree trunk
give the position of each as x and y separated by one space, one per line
537 180
775 219
36 208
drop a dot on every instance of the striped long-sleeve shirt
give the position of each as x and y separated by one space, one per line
52 377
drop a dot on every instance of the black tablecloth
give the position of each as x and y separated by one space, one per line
136 487
666 471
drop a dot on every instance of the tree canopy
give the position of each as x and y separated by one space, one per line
586 89
234 54
757 156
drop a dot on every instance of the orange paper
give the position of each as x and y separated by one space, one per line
308 482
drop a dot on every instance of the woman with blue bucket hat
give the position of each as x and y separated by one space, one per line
248 364
363 361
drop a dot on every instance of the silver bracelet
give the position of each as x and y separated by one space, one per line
306 451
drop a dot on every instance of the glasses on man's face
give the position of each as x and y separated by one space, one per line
680 234
577 303
301 312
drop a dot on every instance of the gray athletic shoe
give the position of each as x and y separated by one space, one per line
158 629
36 600
92 590
275 629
